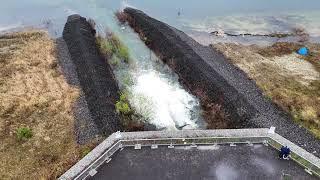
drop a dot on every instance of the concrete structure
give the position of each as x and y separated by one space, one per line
104 152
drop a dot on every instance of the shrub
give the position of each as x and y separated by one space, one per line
112 45
122 106
114 40
105 46
119 48
24 133
123 96
115 61
123 53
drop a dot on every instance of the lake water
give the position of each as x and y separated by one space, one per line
260 16
156 92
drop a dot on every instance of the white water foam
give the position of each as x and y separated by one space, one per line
170 104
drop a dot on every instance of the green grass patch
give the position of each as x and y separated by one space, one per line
115 61
122 105
105 46
85 151
24 133
123 53
112 46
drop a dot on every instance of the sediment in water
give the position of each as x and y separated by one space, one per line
209 76
95 75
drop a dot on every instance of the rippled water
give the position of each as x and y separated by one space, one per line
207 15
156 92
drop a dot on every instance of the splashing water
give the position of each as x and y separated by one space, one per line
155 92
171 104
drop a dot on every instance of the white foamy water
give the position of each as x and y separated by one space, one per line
155 91
171 105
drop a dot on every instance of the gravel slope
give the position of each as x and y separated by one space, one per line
95 110
85 128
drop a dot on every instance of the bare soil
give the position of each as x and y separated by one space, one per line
34 94
290 80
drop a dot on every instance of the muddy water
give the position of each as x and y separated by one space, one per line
156 92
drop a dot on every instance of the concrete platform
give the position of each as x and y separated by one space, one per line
202 162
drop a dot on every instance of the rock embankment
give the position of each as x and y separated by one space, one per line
95 75
208 75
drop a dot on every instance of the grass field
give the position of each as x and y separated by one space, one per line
36 119
288 79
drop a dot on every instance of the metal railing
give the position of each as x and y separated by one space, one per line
198 141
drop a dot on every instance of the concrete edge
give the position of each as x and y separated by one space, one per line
84 164
296 149
195 133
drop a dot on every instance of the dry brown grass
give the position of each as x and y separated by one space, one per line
34 94
293 92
